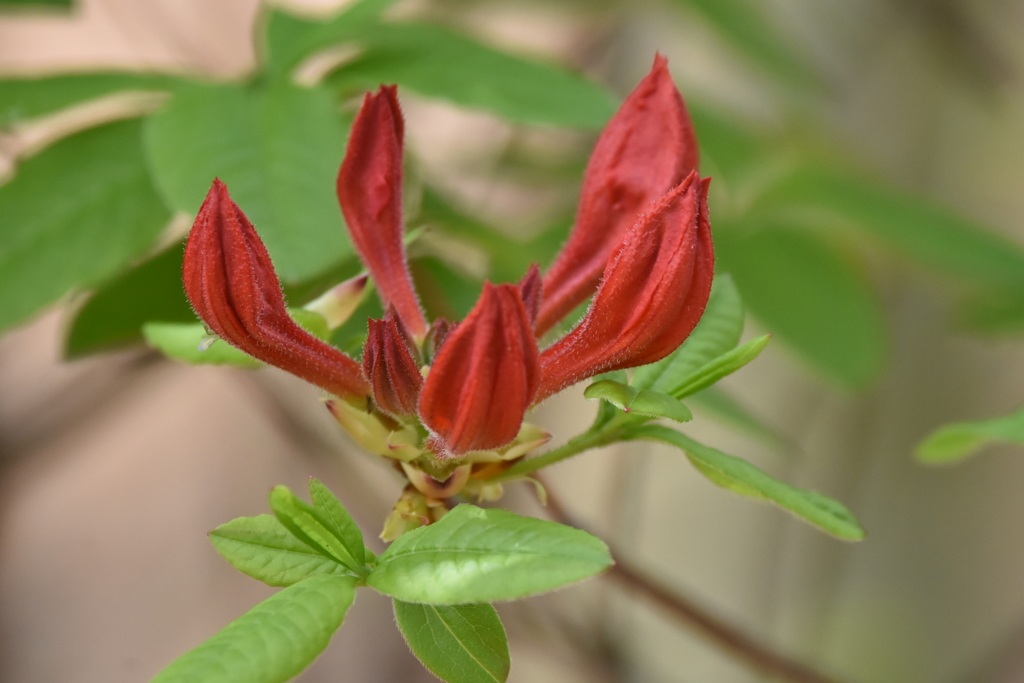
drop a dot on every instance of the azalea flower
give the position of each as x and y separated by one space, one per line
447 400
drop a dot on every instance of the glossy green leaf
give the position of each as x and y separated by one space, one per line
264 549
191 343
317 527
276 146
26 98
273 641
477 555
457 643
921 229
113 316
337 520
717 332
720 367
809 293
741 477
434 61
74 215
643 402
958 440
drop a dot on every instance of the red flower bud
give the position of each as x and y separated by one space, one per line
653 293
391 368
531 289
484 377
370 193
231 284
646 149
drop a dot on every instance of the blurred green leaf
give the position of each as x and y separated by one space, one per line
73 216
444 291
272 642
457 643
717 332
27 98
724 408
921 229
805 290
642 402
261 547
477 555
434 61
741 477
318 528
993 311
290 39
32 3
113 316
191 343
745 26
278 148
958 440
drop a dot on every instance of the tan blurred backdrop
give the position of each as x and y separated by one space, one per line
114 468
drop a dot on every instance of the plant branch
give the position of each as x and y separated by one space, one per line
722 635
595 437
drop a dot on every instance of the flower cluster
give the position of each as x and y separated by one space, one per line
445 399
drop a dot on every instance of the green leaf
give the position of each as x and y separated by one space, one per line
113 316
809 293
273 641
73 216
317 527
64 4
644 402
717 332
26 98
476 555
457 643
741 477
921 229
436 62
339 522
263 548
720 367
191 343
276 146
958 440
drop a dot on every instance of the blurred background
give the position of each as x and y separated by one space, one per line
866 157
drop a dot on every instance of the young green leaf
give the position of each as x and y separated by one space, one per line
437 62
958 440
317 527
809 292
277 146
457 643
643 402
273 641
264 549
741 477
717 332
191 343
476 555
339 522
720 367
73 216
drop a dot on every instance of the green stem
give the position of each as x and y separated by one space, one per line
595 437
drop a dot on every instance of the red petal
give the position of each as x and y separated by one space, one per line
370 193
231 284
484 377
654 292
646 149
531 288
391 368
